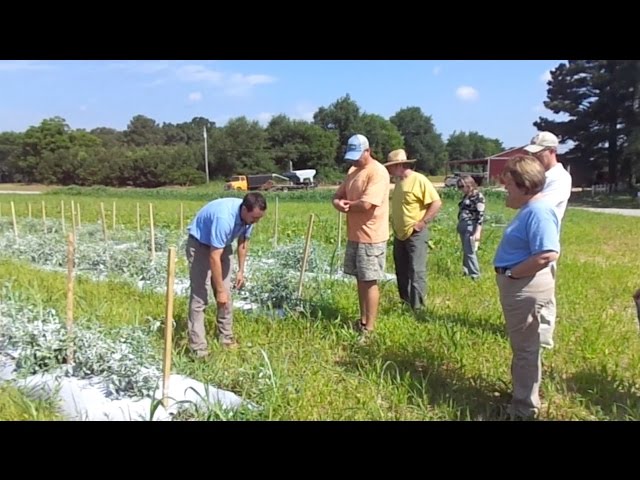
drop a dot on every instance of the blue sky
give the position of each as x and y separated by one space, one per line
497 98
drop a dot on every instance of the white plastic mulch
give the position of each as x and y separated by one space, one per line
85 399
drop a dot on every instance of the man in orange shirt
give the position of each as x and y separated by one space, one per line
364 198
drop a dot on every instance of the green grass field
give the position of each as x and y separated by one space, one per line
449 362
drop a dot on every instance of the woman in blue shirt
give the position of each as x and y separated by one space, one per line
529 244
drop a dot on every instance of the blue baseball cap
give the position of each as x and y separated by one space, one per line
355 146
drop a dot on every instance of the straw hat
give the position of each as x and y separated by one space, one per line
397 157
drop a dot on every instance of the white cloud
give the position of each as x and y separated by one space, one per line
308 116
22 65
240 79
156 82
264 117
239 84
437 70
546 76
303 111
222 120
538 108
235 84
467 93
195 96
149 67
231 84
198 73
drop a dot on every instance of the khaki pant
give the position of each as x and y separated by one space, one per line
548 315
200 278
522 301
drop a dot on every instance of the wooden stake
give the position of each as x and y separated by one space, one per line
73 217
153 237
64 229
275 228
44 217
13 216
104 221
636 299
78 212
138 216
29 207
305 257
168 326
113 214
70 265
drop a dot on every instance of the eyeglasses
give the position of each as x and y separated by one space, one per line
460 187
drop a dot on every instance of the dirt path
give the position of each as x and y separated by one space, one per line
631 212
19 192
21 188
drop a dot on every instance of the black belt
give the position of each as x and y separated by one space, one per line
501 270
191 236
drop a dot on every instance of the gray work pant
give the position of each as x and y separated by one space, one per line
200 278
410 258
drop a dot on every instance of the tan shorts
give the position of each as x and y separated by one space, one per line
365 261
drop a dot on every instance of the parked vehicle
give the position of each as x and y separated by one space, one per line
293 180
452 180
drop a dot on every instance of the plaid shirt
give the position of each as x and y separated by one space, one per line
472 208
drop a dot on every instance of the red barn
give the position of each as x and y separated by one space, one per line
491 166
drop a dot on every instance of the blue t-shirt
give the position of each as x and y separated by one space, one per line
219 223
534 229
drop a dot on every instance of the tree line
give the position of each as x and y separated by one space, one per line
598 102
149 154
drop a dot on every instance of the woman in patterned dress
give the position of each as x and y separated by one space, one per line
470 218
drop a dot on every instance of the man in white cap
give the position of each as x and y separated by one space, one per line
364 198
414 204
557 190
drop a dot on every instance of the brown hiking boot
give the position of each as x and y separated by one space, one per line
229 343
200 354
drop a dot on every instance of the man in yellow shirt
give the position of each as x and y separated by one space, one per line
364 197
414 203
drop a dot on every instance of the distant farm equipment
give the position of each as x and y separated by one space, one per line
292 180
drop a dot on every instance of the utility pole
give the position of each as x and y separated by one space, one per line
206 155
